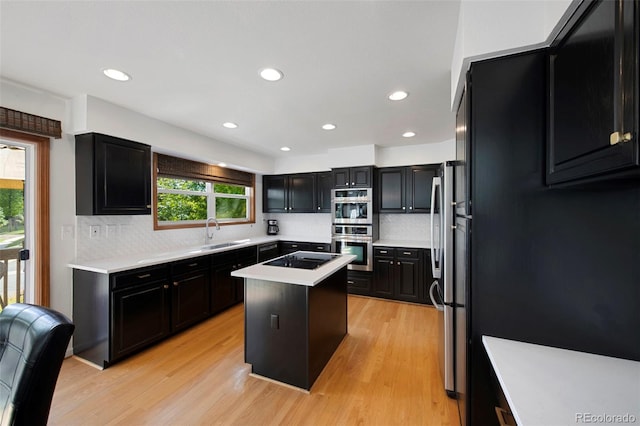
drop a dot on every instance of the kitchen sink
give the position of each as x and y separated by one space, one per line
220 245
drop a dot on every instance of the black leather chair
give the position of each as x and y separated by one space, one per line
33 342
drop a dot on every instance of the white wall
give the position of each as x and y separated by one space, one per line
367 155
92 114
62 183
488 28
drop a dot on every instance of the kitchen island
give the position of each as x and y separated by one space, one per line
295 315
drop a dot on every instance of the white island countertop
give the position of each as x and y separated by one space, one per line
550 386
308 277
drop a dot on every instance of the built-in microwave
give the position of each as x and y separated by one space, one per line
352 206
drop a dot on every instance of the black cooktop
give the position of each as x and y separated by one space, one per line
302 260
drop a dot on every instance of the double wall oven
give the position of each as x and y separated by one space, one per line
354 226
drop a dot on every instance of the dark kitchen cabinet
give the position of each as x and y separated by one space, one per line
397 274
141 303
405 189
287 247
359 282
324 185
289 193
353 177
189 292
593 95
113 176
226 290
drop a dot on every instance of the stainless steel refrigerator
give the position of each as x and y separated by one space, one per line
450 252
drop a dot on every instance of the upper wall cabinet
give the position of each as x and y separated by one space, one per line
405 189
324 185
113 176
289 193
593 95
353 177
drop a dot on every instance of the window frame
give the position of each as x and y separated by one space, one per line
211 198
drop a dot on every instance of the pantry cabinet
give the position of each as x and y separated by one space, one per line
593 95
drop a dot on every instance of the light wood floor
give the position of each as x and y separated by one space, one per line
385 372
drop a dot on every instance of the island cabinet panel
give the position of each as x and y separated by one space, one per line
292 330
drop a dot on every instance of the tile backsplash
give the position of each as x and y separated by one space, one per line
128 235
131 235
406 227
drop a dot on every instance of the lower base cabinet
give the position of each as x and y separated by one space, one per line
226 290
359 282
119 314
189 292
398 274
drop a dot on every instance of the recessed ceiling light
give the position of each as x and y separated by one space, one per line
328 126
116 74
230 125
222 164
408 134
398 96
271 74
285 148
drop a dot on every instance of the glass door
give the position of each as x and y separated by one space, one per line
14 224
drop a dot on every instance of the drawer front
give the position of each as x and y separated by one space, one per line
383 251
404 253
188 265
320 247
139 276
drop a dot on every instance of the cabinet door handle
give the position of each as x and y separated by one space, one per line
166 286
406 253
318 207
176 283
143 276
404 208
383 252
191 265
319 248
347 183
353 183
410 207
349 282
617 137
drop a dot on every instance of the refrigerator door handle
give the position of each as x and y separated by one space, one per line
434 286
435 251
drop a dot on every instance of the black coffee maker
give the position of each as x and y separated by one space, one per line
272 227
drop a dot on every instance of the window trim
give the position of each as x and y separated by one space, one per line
210 177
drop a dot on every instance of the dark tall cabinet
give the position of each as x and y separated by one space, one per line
551 266
593 94
113 176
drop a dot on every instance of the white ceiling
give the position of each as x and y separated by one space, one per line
195 65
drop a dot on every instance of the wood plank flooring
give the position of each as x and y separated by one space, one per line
385 372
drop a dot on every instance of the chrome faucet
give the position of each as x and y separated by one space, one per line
208 236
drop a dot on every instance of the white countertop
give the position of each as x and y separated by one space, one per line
551 386
308 277
117 264
403 244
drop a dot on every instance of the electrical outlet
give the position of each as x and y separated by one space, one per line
94 231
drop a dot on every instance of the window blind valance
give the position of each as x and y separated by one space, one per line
182 168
